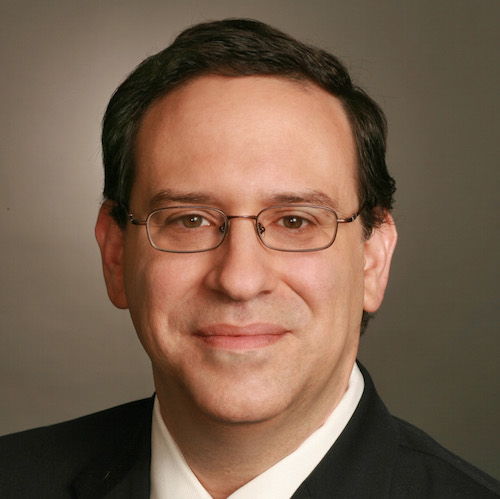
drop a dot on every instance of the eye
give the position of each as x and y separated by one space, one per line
192 221
182 220
293 222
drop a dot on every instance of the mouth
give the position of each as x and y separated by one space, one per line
229 337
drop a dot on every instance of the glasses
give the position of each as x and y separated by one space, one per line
194 229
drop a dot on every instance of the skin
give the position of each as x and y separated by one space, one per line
251 348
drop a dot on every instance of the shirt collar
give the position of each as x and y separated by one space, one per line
171 476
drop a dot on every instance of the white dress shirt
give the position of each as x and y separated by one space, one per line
171 477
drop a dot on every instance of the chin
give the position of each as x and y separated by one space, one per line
240 404
242 414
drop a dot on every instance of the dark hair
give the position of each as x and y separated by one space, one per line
242 47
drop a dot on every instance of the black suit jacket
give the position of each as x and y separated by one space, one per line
107 454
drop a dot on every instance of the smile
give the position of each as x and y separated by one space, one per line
249 337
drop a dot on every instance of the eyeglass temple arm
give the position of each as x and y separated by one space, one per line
136 222
349 219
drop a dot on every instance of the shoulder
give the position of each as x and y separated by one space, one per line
79 434
403 460
57 453
426 469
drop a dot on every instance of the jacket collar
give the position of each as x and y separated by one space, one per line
362 458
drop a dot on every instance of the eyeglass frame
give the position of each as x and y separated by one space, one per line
227 223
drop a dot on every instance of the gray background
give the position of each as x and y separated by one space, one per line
432 65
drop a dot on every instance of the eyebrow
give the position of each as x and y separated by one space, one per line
308 196
171 195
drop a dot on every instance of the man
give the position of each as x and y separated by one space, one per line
246 226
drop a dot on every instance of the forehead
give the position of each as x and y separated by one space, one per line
247 134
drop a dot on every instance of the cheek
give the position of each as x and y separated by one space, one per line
149 273
331 285
158 286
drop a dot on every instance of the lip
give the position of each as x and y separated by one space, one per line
230 337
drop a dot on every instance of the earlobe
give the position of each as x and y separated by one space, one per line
110 239
379 249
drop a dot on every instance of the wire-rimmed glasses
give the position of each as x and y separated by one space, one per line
194 229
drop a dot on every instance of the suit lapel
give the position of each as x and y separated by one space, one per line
122 470
361 461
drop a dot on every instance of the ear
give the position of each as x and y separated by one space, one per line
110 239
378 254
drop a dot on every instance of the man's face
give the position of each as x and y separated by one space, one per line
245 333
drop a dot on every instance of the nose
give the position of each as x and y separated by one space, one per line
243 268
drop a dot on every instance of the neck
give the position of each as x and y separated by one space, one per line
225 455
